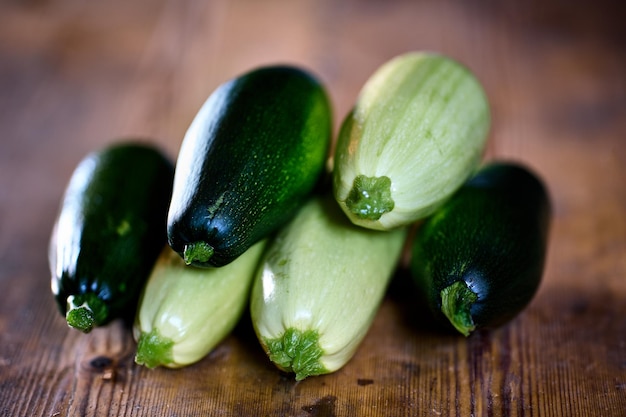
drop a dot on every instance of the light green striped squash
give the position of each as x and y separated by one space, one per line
416 133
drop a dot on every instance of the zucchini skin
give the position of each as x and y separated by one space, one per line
490 238
318 288
184 312
252 155
416 133
109 231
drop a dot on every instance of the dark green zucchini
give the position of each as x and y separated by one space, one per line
109 233
479 260
252 155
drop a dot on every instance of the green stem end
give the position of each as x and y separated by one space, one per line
154 350
456 301
197 252
85 311
297 351
370 197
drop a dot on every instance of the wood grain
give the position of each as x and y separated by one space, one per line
77 75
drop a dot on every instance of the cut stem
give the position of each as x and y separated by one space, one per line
297 351
85 311
197 252
370 197
154 350
456 302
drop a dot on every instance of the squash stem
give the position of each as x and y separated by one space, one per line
370 197
456 301
297 351
85 311
154 350
199 252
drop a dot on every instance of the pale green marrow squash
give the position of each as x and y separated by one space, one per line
415 135
185 312
319 287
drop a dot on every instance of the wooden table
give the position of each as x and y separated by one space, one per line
76 75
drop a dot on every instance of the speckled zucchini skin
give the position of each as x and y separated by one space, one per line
252 155
111 228
492 237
